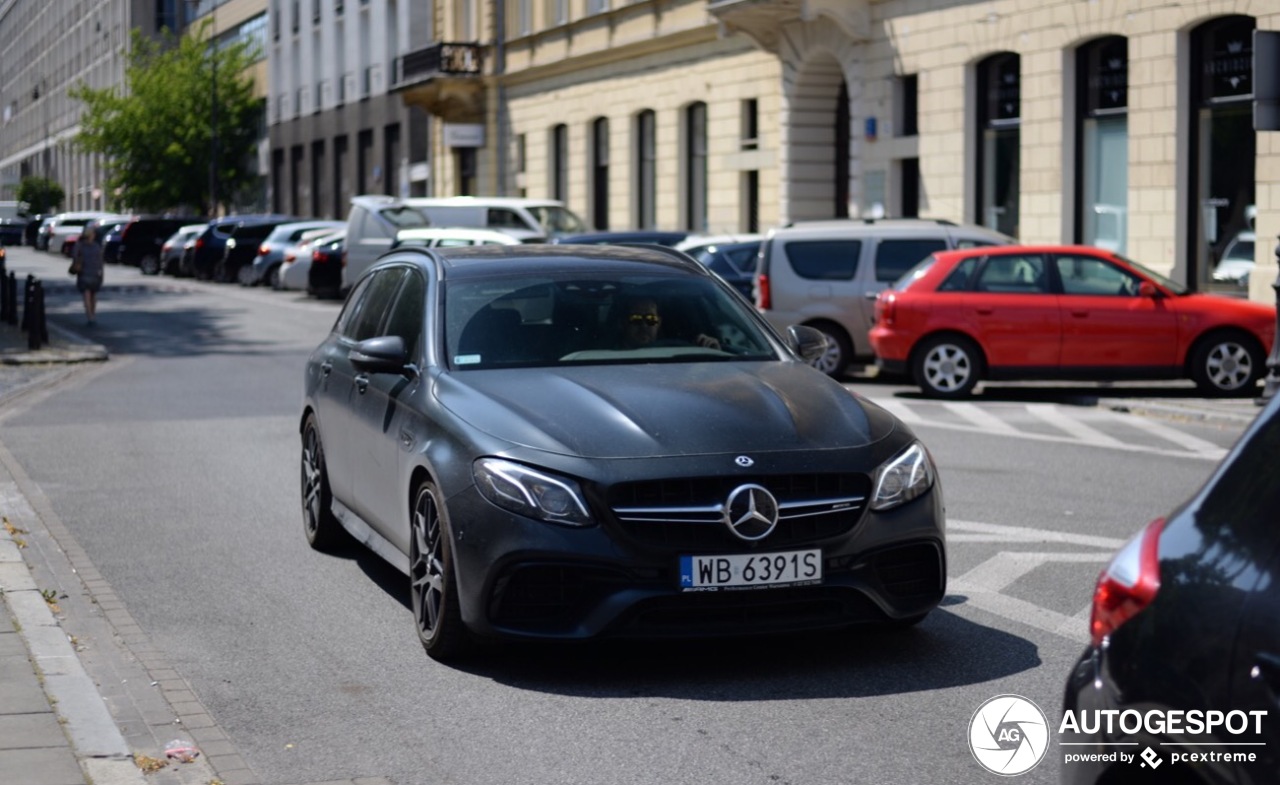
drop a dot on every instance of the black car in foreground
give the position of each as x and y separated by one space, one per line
1181 681
566 442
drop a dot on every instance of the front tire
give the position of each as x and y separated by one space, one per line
1227 364
320 525
433 592
947 366
149 265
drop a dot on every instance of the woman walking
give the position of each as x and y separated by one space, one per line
87 266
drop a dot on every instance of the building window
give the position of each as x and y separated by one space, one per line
1102 143
520 162
841 153
646 169
999 113
597 6
560 162
524 17
750 125
557 12
695 167
600 173
908 105
1223 143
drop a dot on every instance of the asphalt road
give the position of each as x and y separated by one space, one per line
174 466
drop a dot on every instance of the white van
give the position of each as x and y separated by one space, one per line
528 220
374 221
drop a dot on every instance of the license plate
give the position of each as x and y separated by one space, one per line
754 570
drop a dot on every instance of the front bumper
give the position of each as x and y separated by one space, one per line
523 578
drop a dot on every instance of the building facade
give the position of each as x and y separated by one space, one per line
47 49
335 129
1126 125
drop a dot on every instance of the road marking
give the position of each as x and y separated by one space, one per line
900 410
981 418
1209 449
983 588
1053 414
973 531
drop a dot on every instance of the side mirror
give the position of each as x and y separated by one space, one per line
1148 289
808 342
384 354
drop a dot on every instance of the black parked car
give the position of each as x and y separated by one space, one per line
734 262
240 249
571 442
141 238
324 277
1185 624
201 259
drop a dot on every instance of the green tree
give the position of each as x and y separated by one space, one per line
154 134
42 195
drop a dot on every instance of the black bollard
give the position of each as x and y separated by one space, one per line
4 294
11 299
1272 383
37 329
27 289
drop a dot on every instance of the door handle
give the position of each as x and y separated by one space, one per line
986 311
362 383
325 368
1080 314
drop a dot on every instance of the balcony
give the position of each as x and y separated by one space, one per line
762 20
446 79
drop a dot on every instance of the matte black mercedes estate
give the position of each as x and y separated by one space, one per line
578 441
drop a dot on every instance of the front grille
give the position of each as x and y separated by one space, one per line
687 513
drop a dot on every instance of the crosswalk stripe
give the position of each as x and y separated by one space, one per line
900 410
1053 415
1192 443
980 417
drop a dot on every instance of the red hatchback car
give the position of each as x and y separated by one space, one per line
1063 312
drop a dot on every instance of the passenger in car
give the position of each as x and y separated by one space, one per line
642 322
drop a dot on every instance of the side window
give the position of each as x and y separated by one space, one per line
505 219
1013 274
895 257
1090 276
744 259
377 300
348 317
958 280
824 260
969 242
406 315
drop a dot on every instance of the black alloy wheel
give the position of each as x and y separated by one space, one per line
149 264
432 590
321 526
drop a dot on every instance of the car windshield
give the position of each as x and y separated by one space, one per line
557 220
575 319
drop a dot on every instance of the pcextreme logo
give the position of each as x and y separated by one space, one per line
1009 735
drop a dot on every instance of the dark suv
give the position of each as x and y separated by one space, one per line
205 254
142 237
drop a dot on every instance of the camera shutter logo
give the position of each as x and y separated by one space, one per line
1008 735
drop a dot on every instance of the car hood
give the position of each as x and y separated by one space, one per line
660 410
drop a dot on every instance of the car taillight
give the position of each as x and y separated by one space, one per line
344 257
199 243
885 303
263 250
1128 584
764 299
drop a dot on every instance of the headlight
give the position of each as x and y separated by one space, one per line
531 493
903 478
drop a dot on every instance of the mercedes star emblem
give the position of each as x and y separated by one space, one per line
751 512
744 461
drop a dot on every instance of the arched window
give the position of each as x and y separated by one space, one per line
695 167
1223 143
600 173
560 162
999 118
1102 143
646 180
